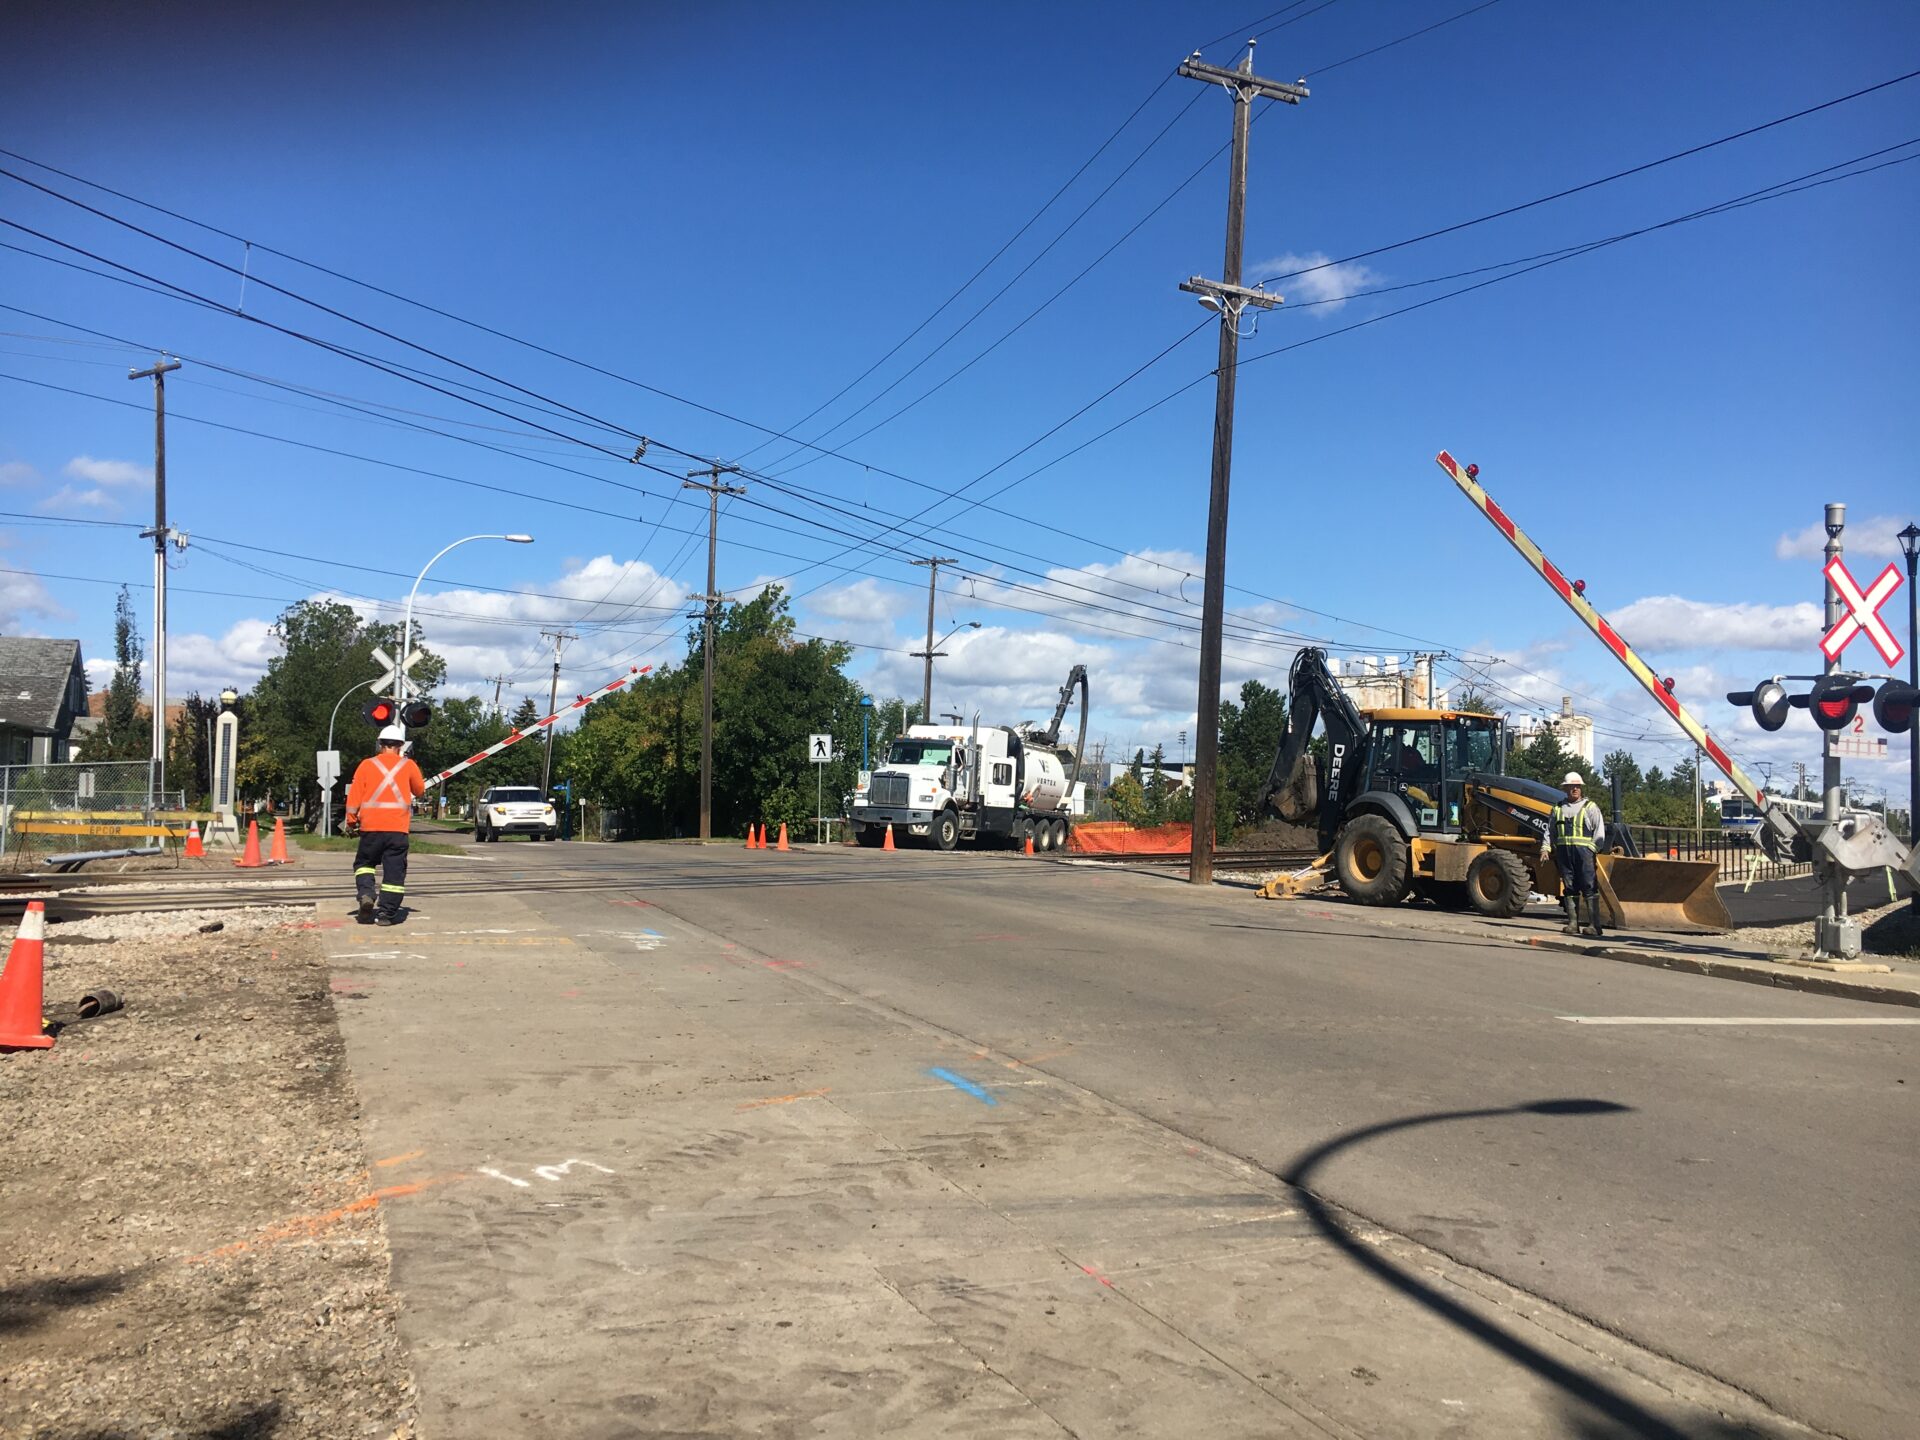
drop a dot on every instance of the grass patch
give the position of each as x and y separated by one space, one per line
347 844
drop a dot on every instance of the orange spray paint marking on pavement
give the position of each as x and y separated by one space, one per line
301 1227
1098 1276
1039 1059
398 1159
783 1099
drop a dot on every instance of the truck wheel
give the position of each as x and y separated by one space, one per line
945 832
1042 836
1371 859
1498 883
1062 835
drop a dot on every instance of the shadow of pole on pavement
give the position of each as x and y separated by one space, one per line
1626 1416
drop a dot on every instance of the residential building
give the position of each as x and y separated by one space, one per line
43 691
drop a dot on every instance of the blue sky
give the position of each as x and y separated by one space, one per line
748 206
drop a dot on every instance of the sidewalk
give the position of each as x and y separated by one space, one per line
1877 979
649 1180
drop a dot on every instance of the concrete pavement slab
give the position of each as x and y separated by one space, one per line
691 1185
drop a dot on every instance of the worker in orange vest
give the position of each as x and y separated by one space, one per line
380 807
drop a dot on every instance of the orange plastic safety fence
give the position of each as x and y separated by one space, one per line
1107 838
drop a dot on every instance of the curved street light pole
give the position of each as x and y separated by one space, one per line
406 629
933 650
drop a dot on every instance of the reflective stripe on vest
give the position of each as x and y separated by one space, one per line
1571 829
389 785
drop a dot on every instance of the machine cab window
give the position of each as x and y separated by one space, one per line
1472 746
1406 761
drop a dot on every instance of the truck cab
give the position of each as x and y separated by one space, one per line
948 783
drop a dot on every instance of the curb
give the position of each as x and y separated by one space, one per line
1751 973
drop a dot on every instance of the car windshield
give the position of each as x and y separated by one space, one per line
528 796
920 752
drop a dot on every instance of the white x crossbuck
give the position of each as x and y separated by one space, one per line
1863 612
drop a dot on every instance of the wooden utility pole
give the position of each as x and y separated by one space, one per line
933 564
1227 296
559 638
714 490
498 681
161 534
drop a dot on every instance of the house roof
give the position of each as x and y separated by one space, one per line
34 675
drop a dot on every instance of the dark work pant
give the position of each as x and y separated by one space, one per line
1575 863
382 853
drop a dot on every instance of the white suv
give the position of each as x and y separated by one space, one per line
514 810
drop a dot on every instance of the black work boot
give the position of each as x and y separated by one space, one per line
1571 904
1593 917
366 909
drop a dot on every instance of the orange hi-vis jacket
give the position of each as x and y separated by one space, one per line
382 792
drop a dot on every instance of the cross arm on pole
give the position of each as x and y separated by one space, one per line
1194 68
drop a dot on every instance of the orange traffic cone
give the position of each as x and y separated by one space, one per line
278 854
250 857
756 837
1029 842
749 837
888 844
783 838
194 848
21 986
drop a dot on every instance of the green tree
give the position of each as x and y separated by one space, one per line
1127 800
123 734
1621 765
1249 738
1157 788
326 650
187 758
463 726
1474 702
640 751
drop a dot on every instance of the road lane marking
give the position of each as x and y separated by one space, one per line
1734 1020
966 1086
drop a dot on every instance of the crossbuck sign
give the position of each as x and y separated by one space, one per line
1863 612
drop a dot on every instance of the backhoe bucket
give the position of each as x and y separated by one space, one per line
1681 897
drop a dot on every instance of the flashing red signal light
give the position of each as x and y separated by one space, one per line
379 712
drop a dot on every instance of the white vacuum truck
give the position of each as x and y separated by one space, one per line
992 785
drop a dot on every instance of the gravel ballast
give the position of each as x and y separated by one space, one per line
192 1235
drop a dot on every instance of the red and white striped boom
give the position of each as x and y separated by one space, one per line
580 702
1465 476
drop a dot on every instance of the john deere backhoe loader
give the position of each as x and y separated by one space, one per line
1416 803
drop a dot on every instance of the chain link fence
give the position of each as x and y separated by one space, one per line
56 810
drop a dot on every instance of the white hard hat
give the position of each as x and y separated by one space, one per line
395 734
1573 778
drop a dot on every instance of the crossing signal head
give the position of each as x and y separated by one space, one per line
1893 707
1769 703
1834 703
415 714
380 712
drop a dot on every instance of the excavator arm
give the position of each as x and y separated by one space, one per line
1293 789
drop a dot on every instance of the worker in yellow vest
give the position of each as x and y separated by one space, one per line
380 807
1578 832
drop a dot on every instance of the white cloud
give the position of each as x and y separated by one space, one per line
1876 538
107 472
18 472
22 595
71 497
1326 284
1672 622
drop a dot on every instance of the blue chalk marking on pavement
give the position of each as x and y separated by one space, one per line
655 933
960 1082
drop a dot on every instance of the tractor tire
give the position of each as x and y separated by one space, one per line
1498 884
945 830
1370 858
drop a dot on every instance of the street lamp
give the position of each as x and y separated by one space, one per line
866 712
929 654
1910 547
406 629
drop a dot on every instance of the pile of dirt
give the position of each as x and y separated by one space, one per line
193 1246
1887 932
1276 835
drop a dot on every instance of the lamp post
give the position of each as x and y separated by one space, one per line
1910 546
933 650
866 713
406 629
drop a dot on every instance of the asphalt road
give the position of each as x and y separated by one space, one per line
1741 1200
